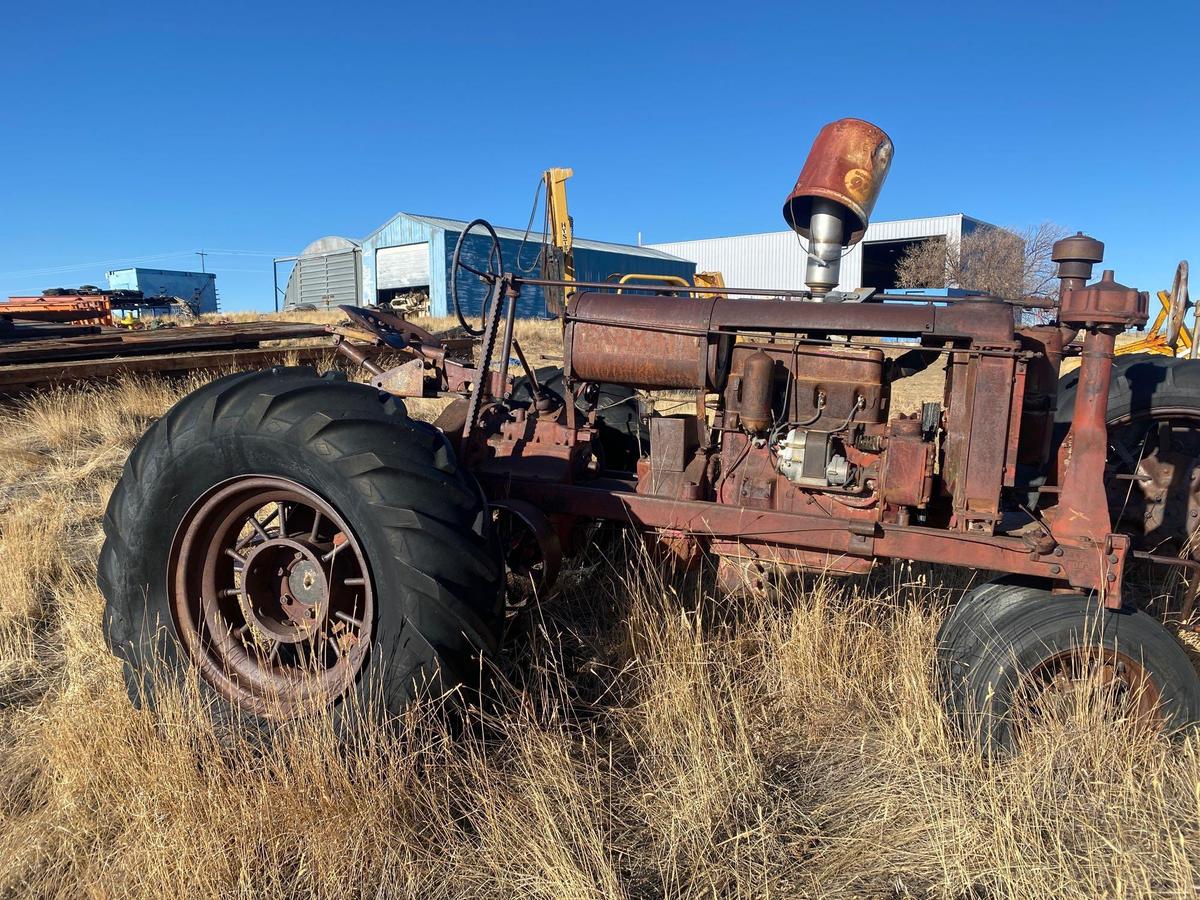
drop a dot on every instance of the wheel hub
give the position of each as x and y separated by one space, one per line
1117 679
284 591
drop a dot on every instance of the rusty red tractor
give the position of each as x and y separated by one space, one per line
302 540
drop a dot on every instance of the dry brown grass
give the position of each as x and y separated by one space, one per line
651 741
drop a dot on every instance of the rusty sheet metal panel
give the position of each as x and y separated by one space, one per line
980 394
644 342
906 478
1041 390
848 163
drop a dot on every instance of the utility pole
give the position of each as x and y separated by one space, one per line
201 254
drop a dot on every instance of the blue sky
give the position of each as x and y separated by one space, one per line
143 132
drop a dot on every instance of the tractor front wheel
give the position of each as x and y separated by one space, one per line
1011 653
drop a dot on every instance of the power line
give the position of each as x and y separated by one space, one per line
75 267
52 270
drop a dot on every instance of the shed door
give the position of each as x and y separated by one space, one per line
329 280
402 267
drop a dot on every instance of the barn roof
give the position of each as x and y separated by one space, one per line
535 237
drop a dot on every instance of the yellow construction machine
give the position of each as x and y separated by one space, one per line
559 262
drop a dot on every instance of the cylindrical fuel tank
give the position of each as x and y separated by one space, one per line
847 164
645 342
757 391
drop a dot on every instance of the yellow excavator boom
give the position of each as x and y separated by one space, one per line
561 265
562 234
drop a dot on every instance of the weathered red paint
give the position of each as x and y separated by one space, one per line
799 462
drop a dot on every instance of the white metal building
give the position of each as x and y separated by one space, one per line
775 259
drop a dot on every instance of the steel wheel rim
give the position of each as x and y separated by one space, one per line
1126 682
276 609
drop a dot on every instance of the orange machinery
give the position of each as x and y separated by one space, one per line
81 309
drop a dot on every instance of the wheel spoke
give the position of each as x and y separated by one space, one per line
1133 468
1126 456
239 561
337 548
1164 438
259 530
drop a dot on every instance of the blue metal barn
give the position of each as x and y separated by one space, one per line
413 253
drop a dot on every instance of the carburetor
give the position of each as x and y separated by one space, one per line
803 402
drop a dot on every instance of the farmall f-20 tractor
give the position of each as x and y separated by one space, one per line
300 540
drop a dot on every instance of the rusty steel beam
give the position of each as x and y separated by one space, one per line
617 501
183 339
19 379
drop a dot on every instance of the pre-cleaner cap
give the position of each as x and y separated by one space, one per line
847 164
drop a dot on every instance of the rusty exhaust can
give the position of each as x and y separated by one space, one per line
847 164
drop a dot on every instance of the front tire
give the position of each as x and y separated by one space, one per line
300 542
1007 646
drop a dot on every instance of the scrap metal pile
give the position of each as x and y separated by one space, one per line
40 353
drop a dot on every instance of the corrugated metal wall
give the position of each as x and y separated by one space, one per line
400 230
775 259
590 265
195 287
329 279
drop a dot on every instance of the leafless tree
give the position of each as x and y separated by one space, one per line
1003 262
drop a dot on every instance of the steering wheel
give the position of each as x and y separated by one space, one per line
1178 305
491 275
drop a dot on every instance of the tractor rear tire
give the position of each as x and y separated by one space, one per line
1006 645
1141 384
1150 396
375 578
